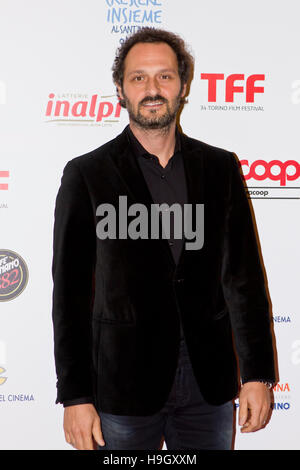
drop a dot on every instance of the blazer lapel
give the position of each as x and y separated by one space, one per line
193 160
130 172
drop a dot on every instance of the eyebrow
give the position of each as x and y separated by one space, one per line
140 71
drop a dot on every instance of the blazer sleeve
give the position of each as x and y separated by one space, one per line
74 242
244 287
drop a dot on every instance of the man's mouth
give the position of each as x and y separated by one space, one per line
153 104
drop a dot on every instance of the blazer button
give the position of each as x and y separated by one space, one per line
178 280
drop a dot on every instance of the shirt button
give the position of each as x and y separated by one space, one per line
163 176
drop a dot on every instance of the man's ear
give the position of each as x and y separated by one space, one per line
183 92
119 88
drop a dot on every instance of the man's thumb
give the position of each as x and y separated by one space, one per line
97 433
243 412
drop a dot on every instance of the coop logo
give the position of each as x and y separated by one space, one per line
4 174
274 170
128 16
82 109
13 275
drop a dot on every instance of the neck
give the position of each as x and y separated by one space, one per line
159 142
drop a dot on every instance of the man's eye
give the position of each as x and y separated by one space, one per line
138 78
165 77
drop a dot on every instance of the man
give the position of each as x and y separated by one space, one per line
143 326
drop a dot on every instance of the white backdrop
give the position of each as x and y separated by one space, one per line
62 50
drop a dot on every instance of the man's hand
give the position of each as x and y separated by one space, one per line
254 406
82 427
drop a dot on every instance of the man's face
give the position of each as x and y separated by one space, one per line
151 86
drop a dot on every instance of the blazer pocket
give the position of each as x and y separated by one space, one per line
113 321
119 315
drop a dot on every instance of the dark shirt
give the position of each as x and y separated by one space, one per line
166 185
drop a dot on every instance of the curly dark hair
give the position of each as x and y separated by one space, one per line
152 35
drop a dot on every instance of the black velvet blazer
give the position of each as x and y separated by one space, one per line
117 302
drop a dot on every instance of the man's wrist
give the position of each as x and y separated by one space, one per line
267 383
78 401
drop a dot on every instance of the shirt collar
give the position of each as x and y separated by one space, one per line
140 151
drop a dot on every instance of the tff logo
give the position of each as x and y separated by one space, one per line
246 86
267 170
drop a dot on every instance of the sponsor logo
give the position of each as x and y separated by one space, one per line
17 397
2 379
3 185
267 170
2 92
10 397
82 109
274 170
281 319
240 90
281 405
13 275
126 17
282 397
4 175
295 96
282 387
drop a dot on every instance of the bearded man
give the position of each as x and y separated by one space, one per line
144 332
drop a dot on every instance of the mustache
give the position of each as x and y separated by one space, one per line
151 99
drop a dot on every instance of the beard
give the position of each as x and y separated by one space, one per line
155 120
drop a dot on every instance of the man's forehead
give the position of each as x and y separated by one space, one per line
143 55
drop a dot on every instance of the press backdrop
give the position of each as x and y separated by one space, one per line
57 101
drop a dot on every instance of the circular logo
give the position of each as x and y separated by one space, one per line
13 275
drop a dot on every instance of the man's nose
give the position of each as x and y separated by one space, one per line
152 86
